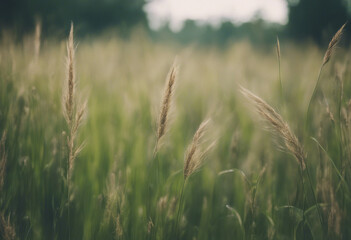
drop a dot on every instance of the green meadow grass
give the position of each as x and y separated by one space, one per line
249 186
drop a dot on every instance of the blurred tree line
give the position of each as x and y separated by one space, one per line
308 19
257 31
317 19
88 15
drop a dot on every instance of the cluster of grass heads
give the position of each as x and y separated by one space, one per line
151 166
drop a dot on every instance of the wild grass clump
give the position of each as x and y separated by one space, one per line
116 189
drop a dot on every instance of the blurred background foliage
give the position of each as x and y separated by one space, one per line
307 20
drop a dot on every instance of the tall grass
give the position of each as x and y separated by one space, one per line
112 189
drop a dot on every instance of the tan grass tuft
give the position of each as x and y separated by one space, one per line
332 44
7 231
163 118
194 155
162 203
291 142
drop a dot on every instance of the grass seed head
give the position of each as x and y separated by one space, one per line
163 118
279 126
332 44
194 155
70 87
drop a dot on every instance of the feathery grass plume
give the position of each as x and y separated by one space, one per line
68 98
73 114
291 142
3 159
193 161
194 155
163 118
7 231
332 44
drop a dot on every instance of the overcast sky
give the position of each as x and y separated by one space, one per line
213 11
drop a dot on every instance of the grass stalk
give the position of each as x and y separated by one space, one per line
332 45
315 200
180 205
279 70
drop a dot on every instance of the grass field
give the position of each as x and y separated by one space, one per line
246 185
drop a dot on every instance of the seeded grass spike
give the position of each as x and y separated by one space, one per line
70 87
163 119
73 114
332 44
194 154
193 161
279 126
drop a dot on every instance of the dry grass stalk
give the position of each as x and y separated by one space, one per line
278 49
163 118
7 231
3 159
332 44
74 115
334 213
291 142
280 77
194 155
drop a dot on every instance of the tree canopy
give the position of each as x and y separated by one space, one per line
90 15
316 19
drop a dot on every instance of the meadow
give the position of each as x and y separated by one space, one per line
108 138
